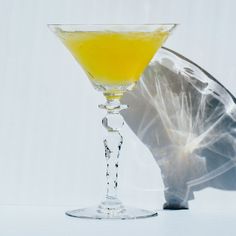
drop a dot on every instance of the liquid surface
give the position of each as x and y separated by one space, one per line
113 58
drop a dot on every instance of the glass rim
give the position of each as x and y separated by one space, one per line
113 27
119 24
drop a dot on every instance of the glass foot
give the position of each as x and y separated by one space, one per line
122 214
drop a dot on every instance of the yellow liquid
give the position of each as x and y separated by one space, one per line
113 58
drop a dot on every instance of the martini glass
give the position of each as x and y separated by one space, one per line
113 57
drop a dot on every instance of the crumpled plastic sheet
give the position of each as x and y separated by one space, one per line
187 119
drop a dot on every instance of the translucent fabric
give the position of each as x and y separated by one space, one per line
187 119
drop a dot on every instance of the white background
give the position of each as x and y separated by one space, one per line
51 150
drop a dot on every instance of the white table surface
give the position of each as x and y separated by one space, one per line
35 221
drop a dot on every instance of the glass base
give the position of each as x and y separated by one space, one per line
125 213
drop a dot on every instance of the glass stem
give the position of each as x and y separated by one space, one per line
113 140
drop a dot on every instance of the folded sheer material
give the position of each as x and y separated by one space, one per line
187 119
